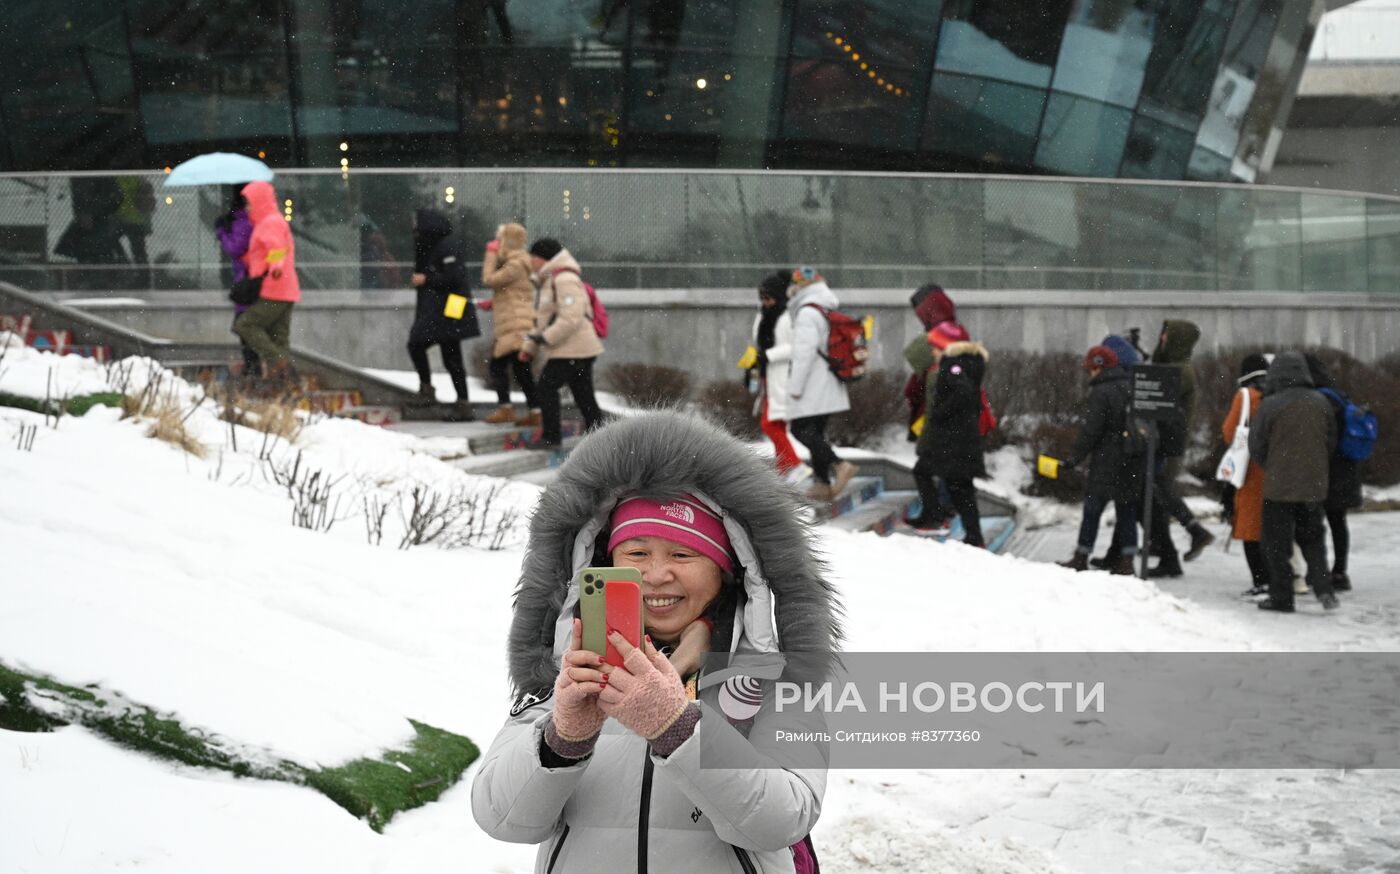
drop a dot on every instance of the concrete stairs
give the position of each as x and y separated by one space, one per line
881 496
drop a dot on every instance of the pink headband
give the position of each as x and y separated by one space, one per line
686 521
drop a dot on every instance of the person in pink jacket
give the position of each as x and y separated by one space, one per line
266 326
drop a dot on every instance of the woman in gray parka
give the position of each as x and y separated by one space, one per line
603 770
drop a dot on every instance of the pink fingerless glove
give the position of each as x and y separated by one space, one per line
577 719
653 696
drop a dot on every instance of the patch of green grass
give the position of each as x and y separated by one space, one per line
375 789
372 789
74 406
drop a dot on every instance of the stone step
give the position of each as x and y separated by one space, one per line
859 491
507 464
504 438
370 415
880 514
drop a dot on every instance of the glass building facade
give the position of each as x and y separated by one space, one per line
1165 89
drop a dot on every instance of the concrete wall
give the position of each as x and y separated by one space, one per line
1342 158
706 330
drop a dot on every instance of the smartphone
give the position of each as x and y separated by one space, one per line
610 597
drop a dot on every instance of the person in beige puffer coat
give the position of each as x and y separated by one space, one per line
505 269
563 344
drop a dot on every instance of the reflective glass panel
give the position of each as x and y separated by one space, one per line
1258 239
1083 137
1002 39
858 72
1156 151
991 123
1104 51
1334 243
211 72
1186 50
1383 245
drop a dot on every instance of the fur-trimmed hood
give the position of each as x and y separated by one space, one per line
966 347
790 604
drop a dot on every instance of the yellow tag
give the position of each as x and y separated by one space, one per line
456 306
1048 467
275 256
918 426
869 323
749 359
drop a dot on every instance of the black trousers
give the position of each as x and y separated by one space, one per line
451 359
577 374
1167 505
1284 523
501 370
1341 536
1258 569
810 431
964 497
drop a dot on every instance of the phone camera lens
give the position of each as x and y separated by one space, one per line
588 578
588 590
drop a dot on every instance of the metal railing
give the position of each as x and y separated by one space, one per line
639 229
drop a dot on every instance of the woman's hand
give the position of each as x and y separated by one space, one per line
419 278
692 648
577 716
645 694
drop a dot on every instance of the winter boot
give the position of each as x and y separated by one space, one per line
1300 586
1106 561
1275 606
1080 562
842 474
1329 601
1200 539
929 521
532 419
1168 568
504 415
1340 581
459 412
426 396
1123 566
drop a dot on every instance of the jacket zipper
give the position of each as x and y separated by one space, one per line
744 861
644 815
554 856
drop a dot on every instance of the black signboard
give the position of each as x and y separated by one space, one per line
1156 390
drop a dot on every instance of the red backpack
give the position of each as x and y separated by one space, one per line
847 349
597 312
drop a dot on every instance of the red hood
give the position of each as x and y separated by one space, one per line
935 309
262 200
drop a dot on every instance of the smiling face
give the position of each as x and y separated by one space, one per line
678 583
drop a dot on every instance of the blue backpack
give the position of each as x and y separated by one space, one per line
1360 429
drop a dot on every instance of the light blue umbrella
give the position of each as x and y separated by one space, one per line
219 168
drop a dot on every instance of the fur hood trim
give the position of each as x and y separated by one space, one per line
966 347
790 605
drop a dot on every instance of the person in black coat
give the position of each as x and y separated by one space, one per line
950 447
1113 470
444 315
1343 478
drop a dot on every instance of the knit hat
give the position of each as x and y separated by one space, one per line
775 285
946 334
686 521
1253 366
932 306
805 275
1100 358
546 248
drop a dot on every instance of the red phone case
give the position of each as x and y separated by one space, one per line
624 612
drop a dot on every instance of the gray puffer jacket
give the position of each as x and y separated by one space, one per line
624 808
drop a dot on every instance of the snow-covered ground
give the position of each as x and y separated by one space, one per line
181 583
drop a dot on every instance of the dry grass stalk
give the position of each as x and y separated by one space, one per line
168 424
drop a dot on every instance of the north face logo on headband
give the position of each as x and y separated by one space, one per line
682 512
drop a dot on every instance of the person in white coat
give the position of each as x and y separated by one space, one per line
772 338
814 392
602 769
